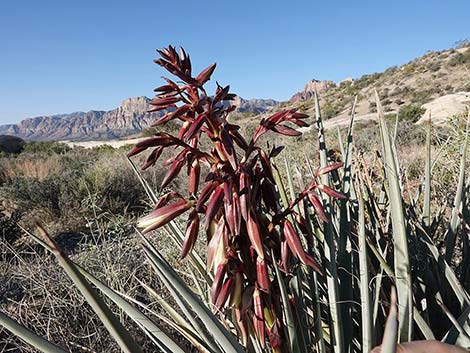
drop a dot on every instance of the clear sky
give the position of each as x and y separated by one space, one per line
65 56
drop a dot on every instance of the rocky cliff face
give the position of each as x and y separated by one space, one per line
309 89
130 117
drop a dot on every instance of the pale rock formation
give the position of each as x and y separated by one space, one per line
445 107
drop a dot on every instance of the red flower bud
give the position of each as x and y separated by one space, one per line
161 216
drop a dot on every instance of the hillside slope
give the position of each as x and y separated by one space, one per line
430 76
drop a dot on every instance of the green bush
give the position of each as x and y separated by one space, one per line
460 58
433 66
410 113
170 127
330 110
46 147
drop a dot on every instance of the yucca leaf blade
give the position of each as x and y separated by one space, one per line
400 237
110 321
28 336
330 248
224 338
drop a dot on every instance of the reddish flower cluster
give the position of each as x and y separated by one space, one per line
247 229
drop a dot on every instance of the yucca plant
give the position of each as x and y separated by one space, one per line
249 230
296 264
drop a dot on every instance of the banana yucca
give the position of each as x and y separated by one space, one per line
247 228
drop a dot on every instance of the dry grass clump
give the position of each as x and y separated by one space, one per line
66 189
37 168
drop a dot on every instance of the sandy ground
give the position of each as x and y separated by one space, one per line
343 120
112 143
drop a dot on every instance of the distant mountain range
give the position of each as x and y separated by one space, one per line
129 118
436 74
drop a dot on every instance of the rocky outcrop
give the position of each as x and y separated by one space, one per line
445 107
129 118
310 88
11 144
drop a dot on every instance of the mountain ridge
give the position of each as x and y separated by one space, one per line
130 117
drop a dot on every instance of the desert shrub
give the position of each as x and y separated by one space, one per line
39 167
330 110
410 134
391 70
28 195
401 91
460 58
387 102
54 188
410 113
116 191
366 80
152 130
46 147
444 55
422 96
433 66
409 69
465 87
399 101
463 43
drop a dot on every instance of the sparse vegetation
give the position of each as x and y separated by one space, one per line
295 258
460 58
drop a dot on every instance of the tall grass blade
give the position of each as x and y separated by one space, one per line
155 332
152 329
313 281
347 176
423 325
460 331
345 257
185 307
148 190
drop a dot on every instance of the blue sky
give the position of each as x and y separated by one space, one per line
64 56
